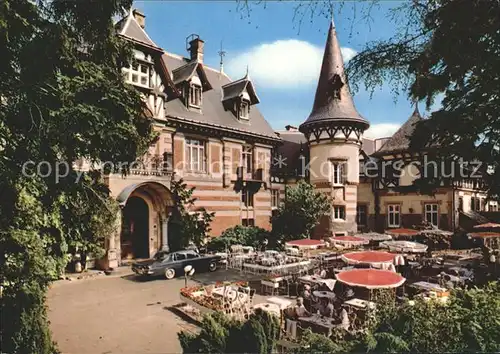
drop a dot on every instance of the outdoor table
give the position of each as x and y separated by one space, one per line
325 294
319 323
268 307
282 303
360 304
313 279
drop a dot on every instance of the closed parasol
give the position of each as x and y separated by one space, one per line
371 278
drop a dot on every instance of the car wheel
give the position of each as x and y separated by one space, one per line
169 273
212 266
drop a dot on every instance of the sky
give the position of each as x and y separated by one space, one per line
283 56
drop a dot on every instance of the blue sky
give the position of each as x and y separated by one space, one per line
283 57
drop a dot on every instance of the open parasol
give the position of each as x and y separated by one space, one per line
377 259
305 243
349 241
485 234
488 225
404 246
396 233
371 278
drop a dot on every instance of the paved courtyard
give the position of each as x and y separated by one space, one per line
121 314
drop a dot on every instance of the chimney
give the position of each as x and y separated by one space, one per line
290 128
196 48
140 18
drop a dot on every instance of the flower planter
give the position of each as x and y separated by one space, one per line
194 304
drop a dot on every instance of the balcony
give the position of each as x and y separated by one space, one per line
156 165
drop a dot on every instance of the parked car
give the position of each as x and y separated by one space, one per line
172 264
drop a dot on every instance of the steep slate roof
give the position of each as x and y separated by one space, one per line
328 108
129 28
236 88
212 110
400 141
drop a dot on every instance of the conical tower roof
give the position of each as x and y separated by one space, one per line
333 101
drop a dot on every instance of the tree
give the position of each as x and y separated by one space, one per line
239 235
221 334
187 224
62 98
441 49
449 48
301 212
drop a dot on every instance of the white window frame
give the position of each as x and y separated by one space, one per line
195 95
195 155
135 69
244 110
431 211
247 158
337 173
339 213
393 210
275 198
363 207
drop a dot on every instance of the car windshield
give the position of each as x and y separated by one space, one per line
161 256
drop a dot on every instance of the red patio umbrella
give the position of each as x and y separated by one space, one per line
402 232
305 243
371 278
376 259
484 234
488 225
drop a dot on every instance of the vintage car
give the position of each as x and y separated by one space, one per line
171 264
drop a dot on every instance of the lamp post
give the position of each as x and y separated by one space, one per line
188 271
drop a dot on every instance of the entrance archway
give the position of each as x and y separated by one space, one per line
135 229
144 219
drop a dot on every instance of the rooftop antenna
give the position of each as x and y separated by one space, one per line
222 54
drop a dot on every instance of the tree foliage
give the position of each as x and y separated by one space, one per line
187 223
239 235
449 48
62 98
220 334
301 211
470 322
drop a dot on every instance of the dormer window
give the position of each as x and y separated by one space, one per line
195 95
244 110
137 74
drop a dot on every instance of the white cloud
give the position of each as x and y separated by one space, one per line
282 64
382 130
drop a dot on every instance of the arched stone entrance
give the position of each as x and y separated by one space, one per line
145 209
135 229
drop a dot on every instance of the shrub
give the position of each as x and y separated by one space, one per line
243 235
